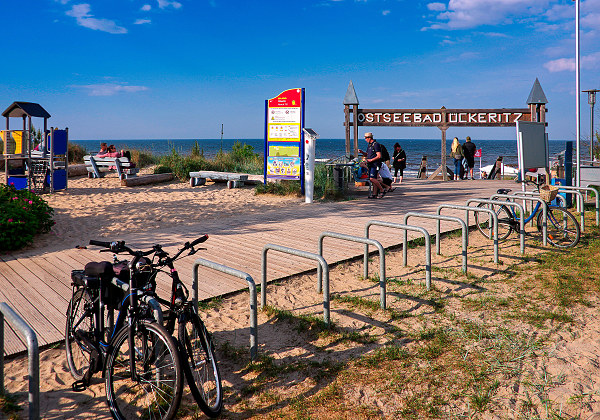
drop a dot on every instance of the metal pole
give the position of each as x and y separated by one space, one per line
591 133
577 96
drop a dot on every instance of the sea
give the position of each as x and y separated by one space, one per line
333 148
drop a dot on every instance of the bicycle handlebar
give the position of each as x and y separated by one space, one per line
119 246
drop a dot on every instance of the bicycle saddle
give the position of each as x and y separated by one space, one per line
503 191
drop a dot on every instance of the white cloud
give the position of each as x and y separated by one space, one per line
464 14
436 7
110 89
385 12
163 4
62 1
81 12
588 62
142 21
146 7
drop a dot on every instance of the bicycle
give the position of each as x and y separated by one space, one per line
138 357
563 230
195 342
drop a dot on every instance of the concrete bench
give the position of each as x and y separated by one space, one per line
97 167
233 180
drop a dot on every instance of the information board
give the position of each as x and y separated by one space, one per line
284 148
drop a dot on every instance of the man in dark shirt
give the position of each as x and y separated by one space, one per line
469 150
373 159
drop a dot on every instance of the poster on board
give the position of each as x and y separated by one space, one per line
532 146
284 120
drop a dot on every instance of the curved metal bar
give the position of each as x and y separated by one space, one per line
467 209
521 219
251 286
438 219
405 244
304 254
587 189
33 355
544 206
367 242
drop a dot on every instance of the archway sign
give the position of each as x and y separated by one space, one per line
442 118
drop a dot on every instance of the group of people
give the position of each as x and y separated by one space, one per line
464 158
377 160
111 151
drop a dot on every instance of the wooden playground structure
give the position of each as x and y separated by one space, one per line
39 168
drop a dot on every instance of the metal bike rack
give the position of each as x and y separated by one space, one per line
33 354
304 254
251 287
544 206
467 209
367 242
578 190
438 219
567 189
521 220
405 228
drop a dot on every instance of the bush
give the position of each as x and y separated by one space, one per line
279 188
76 153
22 216
142 158
241 159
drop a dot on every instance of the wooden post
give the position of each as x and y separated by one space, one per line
444 170
347 125
355 119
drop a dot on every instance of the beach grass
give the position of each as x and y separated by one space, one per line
457 361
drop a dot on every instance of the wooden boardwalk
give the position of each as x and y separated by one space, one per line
38 285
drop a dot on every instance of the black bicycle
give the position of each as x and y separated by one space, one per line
138 357
195 342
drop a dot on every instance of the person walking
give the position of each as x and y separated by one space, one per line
469 150
373 158
457 154
399 162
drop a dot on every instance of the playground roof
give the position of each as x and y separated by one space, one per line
29 109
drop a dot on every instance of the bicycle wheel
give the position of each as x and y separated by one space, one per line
505 221
79 326
201 369
156 392
563 229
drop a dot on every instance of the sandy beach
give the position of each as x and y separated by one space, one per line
551 367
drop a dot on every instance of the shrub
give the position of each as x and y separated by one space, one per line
76 153
279 188
22 215
142 158
160 169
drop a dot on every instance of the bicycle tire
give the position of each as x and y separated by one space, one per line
563 229
201 368
157 392
505 220
78 354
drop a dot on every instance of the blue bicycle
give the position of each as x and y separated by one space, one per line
562 228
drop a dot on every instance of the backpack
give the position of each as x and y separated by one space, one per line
385 155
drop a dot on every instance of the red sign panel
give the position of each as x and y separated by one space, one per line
477 153
288 98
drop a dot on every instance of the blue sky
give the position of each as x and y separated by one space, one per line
119 69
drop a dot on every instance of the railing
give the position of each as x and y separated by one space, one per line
33 357
323 272
251 286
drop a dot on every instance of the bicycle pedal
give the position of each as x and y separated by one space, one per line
78 386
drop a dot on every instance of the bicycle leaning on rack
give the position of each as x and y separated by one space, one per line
138 357
195 342
562 228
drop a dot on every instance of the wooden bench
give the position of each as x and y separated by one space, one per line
233 180
97 167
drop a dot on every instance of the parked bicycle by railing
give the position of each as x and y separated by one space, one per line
197 349
138 357
562 227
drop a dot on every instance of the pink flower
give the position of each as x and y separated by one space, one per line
30 202
10 220
15 198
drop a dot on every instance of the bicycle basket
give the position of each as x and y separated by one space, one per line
548 192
